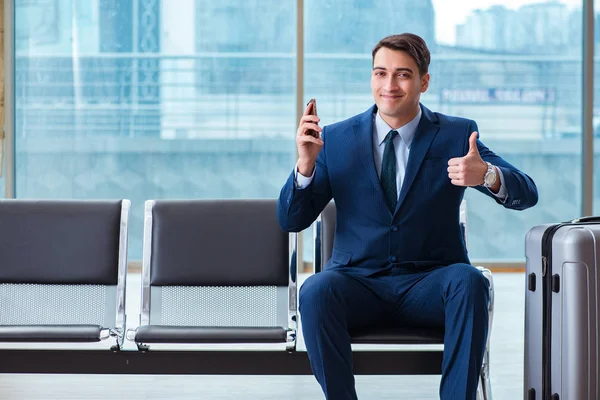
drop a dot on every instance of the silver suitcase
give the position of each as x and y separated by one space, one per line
561 311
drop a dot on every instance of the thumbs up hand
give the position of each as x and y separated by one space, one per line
470 169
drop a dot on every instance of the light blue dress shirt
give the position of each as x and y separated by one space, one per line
402 142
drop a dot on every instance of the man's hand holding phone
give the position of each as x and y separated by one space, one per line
308 139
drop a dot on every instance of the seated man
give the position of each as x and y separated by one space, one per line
397 173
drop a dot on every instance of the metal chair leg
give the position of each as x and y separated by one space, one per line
485 385
484 389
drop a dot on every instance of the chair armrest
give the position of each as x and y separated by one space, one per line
488 275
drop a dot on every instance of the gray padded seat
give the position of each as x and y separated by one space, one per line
399 336
202 334
216 271
62 277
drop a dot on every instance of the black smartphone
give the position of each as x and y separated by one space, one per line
312 111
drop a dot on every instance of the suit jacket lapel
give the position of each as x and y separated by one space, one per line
426 131
363 131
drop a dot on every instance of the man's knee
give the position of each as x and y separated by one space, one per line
321 290
469 281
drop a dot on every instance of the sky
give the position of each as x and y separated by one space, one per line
449 13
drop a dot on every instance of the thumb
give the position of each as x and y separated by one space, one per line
473 143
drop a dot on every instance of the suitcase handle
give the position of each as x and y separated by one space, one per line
586 219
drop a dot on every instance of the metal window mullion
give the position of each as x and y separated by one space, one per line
299 59
299 96
9 99
587 81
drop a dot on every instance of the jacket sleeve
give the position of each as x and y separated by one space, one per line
521 190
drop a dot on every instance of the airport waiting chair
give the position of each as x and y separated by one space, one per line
324 230
216 271
62 277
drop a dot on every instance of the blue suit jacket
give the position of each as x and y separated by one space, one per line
424 230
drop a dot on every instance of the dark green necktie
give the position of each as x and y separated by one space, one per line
388 171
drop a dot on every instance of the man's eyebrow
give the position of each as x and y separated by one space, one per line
397 69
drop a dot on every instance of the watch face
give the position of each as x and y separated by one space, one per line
490 177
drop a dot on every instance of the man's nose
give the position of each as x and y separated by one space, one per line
391 83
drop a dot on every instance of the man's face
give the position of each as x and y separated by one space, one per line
396 83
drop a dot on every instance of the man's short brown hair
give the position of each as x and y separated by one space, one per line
410 43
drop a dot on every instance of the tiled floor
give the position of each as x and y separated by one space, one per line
506 370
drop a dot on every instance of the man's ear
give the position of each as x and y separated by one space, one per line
425 82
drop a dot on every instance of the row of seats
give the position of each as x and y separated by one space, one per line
213 271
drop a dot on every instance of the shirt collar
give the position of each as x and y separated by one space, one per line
406 132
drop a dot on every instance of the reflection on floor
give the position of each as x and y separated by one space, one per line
506 370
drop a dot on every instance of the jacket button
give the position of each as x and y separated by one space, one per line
394 228
393 259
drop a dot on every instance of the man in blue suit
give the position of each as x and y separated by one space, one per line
397 174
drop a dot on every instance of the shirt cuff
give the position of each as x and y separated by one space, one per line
302 181
502 194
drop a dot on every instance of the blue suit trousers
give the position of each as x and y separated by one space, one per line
335 302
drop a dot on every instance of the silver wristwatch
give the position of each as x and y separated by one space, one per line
490 176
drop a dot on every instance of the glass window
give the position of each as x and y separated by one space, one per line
596 112
513 67
146 100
